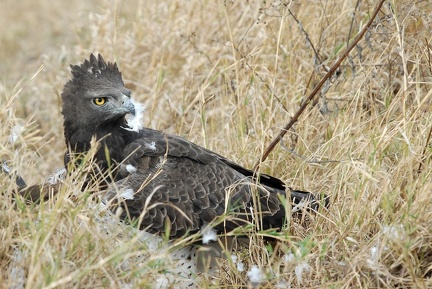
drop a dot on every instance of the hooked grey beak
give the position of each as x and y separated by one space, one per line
128 105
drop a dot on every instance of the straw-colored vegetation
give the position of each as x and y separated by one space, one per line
228 75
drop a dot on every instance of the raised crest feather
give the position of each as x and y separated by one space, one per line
97 68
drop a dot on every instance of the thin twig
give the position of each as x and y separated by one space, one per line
428 51
352 21
306 35
318 87
423 158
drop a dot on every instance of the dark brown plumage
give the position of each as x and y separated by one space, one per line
170 179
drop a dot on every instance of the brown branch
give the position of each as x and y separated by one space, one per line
318 87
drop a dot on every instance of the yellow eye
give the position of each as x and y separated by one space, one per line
99 100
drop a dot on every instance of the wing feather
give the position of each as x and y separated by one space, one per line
188 184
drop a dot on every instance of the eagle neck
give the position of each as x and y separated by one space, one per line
111 135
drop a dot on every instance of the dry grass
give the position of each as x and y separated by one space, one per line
228 75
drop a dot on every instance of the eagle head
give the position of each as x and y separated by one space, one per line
95 103
95 96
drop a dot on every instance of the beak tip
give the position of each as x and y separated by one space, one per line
128 105
132 111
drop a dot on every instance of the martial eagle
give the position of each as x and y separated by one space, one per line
166 182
